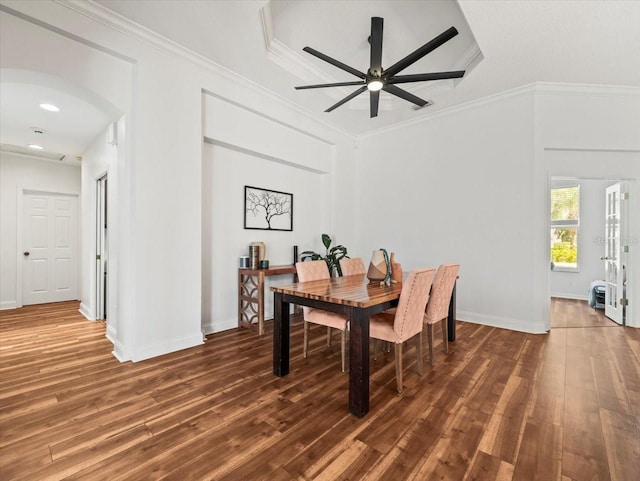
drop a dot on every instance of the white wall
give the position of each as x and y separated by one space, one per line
575 284
471 186
244 147
99 159
18 172
456 188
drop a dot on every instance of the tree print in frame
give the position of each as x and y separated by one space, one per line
266 209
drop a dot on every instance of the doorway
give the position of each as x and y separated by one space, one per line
49 247
102 248
579 251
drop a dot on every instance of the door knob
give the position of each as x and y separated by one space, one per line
26 253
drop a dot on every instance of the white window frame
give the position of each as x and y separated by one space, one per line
568 224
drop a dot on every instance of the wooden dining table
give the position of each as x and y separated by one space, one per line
352 296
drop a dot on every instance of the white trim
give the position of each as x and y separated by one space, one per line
121 24
546 87
118 349
161 348
218 326
8 305
502 322
86 312
577 297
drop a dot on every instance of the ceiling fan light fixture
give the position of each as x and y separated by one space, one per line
375 85
50 107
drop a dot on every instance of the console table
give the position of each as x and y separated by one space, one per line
251 294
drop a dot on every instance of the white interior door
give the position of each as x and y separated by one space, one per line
612 257
50 248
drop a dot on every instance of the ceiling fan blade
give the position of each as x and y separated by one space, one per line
374 101
421 77
337 84
422 51
347 98
403 94
375 40
334 62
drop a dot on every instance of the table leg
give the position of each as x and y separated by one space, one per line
451 318
280 336
359 362
261 303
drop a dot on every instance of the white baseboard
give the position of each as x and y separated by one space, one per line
158 349
85 311
8 305
502 322
218 326
576 297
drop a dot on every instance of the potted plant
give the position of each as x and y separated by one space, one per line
332 255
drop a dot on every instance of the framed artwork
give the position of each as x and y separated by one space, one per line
266 209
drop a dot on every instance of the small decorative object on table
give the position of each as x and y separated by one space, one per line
380 267
396 269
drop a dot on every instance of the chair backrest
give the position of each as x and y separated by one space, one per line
443 282
352 267
312 270
413 300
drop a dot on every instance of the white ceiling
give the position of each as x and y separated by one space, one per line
503 45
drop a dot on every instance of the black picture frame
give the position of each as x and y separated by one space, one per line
266 209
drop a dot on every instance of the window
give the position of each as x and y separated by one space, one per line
565 227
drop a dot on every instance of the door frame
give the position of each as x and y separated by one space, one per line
21 192
101 246
629 185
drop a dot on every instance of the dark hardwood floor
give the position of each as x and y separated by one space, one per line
576 313
502 405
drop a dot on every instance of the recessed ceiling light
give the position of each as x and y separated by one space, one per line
36 147
50 107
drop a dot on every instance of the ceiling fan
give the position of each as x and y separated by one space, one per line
377 78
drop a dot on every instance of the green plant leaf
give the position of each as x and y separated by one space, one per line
326 240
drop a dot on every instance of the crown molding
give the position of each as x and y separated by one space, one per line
537 87
587 89
123 25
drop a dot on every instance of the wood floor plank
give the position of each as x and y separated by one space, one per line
452 455
584 455
622 440
485 466
503 433
501 405
540 455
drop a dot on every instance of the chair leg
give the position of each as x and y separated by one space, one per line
375 349
398 352
305 341
328 337
445 335
430 339
419 353
343 345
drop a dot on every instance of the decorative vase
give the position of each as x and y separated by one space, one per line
396 269
261 250
378 267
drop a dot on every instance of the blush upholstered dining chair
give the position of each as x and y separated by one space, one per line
352 267
313 271
438 305
406 321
